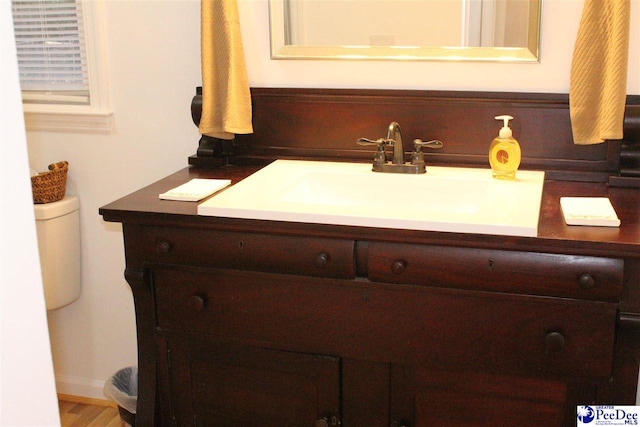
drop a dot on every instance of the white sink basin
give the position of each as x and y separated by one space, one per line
461 200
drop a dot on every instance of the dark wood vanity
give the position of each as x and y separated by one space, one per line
264 323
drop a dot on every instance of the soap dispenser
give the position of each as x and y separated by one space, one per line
504 152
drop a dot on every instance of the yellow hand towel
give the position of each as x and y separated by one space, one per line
226 98
598 84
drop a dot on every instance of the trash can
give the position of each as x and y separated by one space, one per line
122 388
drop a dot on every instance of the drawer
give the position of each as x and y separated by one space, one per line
244 251
571 276
435 327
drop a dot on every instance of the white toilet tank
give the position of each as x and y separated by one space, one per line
58 228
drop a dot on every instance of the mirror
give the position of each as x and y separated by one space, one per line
422 30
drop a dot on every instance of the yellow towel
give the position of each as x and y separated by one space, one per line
598 85
226 99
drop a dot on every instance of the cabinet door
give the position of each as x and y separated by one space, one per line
215 383
425 397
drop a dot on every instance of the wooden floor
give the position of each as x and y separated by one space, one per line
75 414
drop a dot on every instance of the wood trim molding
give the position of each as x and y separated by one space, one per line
323 124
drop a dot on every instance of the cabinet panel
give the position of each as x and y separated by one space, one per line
573 276
234 385
425 398
391 323
318 257
365 393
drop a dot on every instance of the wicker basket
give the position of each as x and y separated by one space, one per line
50 186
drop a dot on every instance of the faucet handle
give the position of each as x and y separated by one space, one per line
434 143
379 142
367 141
380 157
416 156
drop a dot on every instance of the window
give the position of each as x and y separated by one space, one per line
51 51
60 61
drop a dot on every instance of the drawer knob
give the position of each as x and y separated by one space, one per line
554 341
163 247
196 302
322 260
322 422
586 281
398 266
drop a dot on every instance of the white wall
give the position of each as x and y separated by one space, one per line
154 66
27 388
153 52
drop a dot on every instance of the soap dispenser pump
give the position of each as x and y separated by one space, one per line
504 152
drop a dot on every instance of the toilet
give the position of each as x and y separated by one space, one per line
58 229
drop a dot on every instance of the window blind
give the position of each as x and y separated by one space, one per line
51 51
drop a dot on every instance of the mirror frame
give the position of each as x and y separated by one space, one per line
281 50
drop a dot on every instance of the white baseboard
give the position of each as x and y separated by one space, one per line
84 387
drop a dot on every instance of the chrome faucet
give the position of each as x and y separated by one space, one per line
397 164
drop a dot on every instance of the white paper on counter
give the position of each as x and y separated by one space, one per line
195 190
595 211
